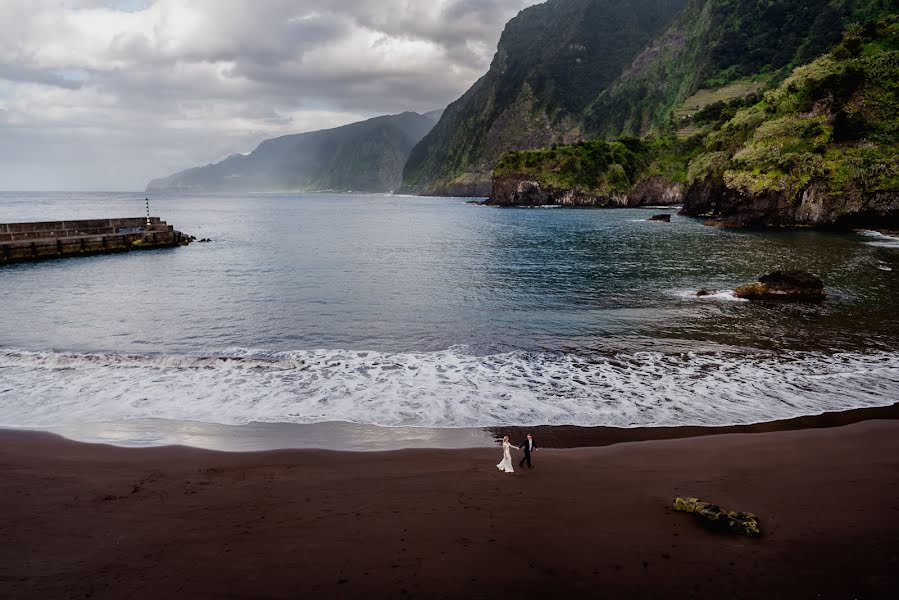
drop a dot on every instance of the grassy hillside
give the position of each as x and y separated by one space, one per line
365 156
552 61
571 70
820 149
600 168
713 43
828 135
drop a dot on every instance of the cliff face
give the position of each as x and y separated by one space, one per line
627 172
821 150
814 206
518 190
571 70
366 156
712 43
552 61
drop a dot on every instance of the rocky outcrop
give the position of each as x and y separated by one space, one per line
523 190
813 206
474 187
780 286
661 218
718 519
656 191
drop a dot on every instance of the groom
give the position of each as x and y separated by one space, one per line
528 446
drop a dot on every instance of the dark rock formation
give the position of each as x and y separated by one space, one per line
784 286
718 519
811 207
662 218
702 293
656 191
524 190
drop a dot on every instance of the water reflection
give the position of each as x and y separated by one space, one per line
257 437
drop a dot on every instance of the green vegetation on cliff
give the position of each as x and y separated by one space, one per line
571 70
714 43
820 149
832 124
601 168
552 61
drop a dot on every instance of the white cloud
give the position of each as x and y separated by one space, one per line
108 94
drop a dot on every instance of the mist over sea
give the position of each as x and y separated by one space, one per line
405 311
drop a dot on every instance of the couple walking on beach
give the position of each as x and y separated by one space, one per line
528 446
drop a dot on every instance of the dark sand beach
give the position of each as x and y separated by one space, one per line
91 521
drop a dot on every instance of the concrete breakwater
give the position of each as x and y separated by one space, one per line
21 242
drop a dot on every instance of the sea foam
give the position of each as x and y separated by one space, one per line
880 240
450 388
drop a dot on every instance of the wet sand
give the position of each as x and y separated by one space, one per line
353 437
90 521
570 436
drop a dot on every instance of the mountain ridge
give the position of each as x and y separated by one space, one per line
818 150
551 61
363 156
693 44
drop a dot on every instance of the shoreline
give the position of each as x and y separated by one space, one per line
573 436
95 521
352 437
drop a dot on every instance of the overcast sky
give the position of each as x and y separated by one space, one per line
108 94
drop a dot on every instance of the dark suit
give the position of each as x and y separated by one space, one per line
528 446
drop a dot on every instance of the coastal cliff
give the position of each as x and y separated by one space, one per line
366 156
626 173
821 150
552 60
573 70
519 190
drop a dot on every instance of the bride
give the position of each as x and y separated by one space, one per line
506 464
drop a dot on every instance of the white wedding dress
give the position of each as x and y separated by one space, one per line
506 465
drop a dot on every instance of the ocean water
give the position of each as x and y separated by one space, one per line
435 313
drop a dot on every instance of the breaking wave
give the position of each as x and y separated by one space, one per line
449 388
880 240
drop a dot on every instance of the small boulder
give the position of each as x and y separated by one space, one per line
702 293
795 286
662 218
716 518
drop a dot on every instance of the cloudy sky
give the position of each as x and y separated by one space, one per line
108 94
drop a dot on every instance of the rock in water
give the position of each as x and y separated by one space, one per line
663 218
703 292
715 517
784 286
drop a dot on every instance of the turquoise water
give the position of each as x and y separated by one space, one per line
431 311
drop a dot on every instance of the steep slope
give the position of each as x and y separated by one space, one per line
571 70
366 156
714 42
553 59
820 150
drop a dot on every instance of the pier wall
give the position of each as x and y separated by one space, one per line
57 239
